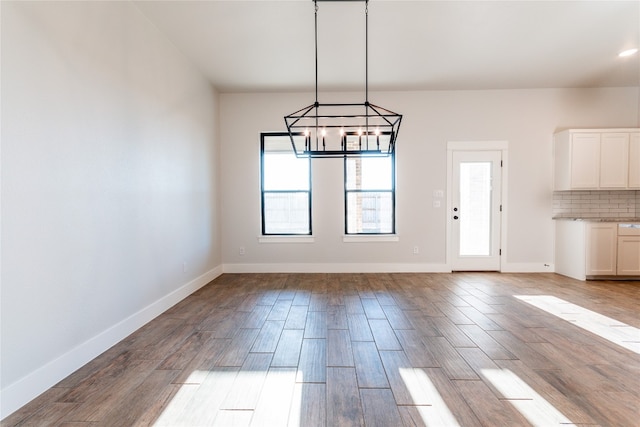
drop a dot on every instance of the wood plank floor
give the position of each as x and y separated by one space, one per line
462 349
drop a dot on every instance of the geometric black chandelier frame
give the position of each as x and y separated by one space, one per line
323 130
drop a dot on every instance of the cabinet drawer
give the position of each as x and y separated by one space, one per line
628 229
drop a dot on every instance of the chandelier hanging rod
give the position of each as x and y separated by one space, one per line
366 45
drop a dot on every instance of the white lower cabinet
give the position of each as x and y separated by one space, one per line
570 259
628 250
597 249
602 248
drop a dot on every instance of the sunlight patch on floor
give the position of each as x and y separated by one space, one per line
232 397
610 329
422 390
535 408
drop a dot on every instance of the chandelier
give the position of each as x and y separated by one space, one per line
339 130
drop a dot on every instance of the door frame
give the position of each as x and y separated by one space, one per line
501 146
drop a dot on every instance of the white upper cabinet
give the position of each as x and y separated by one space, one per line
584 160
614 160
634 160
594 159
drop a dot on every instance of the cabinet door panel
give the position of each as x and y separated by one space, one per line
629 255
585 160
634 161
601 249
614 160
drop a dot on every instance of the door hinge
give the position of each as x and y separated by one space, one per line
499 251
500 163
500 208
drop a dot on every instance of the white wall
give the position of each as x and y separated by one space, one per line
109 184
525 118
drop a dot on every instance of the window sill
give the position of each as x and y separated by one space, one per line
286 239
352 238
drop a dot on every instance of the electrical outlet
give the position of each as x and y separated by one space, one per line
416 250
241 250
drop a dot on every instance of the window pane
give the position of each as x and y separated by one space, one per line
369 173
278 143
370 212
286 187
284 171
286 213
475 209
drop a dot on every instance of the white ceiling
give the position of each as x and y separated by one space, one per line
269 45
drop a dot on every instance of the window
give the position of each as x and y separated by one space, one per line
286 187
369 192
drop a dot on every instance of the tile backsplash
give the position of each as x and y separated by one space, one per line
597 204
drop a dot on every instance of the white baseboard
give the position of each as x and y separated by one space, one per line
27 388
336 268
373 268
527 267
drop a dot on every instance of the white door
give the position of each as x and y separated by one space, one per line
475 210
